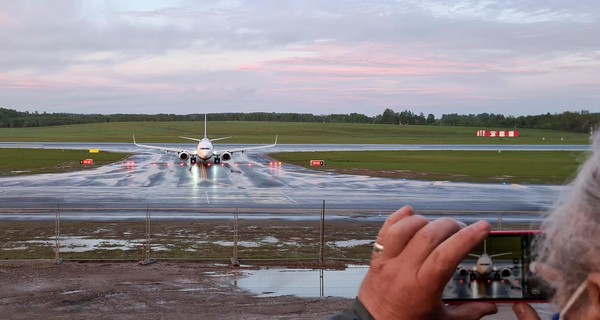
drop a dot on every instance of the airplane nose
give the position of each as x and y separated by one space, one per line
205 154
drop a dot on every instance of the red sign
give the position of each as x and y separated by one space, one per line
497 134
317 163
86 162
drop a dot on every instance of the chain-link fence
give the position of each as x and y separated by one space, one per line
276 236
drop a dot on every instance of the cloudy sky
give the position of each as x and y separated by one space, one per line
92 56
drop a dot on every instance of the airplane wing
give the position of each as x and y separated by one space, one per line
500 254
173 150
248 148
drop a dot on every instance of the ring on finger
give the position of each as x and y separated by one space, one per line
377 247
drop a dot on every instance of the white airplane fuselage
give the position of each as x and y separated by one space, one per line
205 149
484 265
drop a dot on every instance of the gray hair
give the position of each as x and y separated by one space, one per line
572 229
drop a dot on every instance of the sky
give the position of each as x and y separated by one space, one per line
321 57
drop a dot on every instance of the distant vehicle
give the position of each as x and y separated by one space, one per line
204 151
484 267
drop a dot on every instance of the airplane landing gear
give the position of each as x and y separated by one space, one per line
217 160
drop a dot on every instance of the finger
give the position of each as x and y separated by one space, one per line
400 234
400 214
441 263
391 220
427 239
474 310
523 311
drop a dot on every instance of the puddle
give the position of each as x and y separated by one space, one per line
83 244
352 243
72 292
315 283
303 282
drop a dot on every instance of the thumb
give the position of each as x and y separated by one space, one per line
523 311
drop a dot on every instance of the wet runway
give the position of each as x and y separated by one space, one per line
159 181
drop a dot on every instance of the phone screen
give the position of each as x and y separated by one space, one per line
498 270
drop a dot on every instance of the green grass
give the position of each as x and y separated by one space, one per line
543 167
32 161
289 132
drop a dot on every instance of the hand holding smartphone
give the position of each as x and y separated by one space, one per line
498 271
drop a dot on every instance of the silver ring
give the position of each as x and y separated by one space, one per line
377 247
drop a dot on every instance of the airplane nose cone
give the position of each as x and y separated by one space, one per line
205 155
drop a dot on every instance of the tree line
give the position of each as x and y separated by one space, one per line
566 121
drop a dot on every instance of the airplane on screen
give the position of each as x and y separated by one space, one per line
204 151
484 267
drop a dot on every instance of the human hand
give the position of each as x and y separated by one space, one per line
523 311
407 279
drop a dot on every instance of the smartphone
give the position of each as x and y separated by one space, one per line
498 270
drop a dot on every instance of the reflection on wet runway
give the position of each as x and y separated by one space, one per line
492 289
252 180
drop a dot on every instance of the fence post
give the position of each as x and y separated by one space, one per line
146 258
499 224
57 258
322 236
321 283
234 260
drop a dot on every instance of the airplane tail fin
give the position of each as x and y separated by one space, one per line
205 126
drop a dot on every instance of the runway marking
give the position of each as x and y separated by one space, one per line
290 198
207 201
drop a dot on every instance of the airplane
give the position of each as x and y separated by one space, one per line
484 267
204 151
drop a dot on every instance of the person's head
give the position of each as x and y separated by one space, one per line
572 241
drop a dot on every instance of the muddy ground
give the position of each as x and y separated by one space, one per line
101 279
164 290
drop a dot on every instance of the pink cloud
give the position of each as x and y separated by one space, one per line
6 20
8 81
375 60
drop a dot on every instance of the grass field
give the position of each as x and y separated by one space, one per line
289 132
547 167
32 161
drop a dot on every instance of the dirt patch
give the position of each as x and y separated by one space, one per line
165 290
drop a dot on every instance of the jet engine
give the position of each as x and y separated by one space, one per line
462 272
505 272
183 155
502 273
226 156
